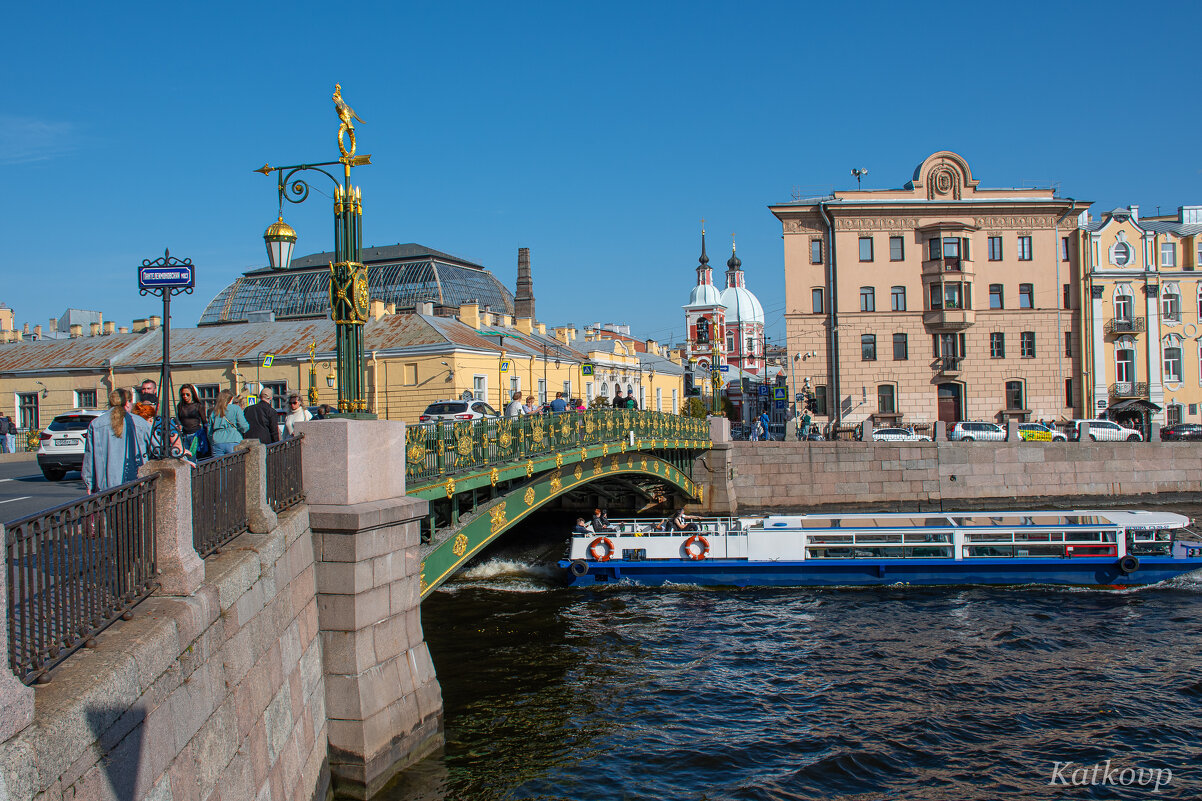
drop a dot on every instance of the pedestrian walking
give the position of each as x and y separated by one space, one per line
190 411
296 414
117 444
515 408
227 425
4 424
765 421
263 420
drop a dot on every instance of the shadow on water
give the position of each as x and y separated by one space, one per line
897 692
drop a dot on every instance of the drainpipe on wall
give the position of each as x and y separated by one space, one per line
833 315
1057 245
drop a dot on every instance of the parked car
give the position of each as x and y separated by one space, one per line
1038 432
898 435
1104 431
61 444
457 410
1181 432
977 432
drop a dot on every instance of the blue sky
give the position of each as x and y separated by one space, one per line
597 135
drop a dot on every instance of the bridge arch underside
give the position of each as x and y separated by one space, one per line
644 479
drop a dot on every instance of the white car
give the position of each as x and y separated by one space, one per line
898 435
977 432
1105 431
60 446
1037 432
456 410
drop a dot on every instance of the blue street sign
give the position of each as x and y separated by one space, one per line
763 390
781 393
586 369
799 397
504 365
161 277
725 368
780 404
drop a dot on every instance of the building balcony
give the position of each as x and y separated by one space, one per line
955 266
947 365
949 319
1128 325
1121 390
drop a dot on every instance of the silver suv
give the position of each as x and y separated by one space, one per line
61 445
456 410
977 432
1104 431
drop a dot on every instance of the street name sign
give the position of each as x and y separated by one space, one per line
169 277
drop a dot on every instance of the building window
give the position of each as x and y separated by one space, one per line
897 248
1173 414
85 399
1064 248
815 251
816 296
868 347
1068 343
1024 248
897 298
997 345
208 394
1168 254
1170 303
750 346
951 248
1026 341
1068 296
589 392
867 299
730 343
480 387
1068 393
605 389
1014 395
1122 303
1026 296
703 331
1121 254
27 410
952 298
1124 364
949 345
567 390
995 248
819 399
1200 299
515 384
659 399
996 301
886 399
1172 360
279 394
675 403
865 248
901 349
936 297
542 390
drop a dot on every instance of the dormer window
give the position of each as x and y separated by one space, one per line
1121 251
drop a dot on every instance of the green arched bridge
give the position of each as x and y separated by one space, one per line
482 477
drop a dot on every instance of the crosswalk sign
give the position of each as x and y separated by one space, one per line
268 358
781 393
586 369
505 365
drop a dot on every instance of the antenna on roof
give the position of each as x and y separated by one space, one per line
796 193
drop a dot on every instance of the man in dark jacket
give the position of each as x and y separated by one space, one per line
263 419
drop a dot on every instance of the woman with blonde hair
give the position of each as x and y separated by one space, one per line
116 445
227 425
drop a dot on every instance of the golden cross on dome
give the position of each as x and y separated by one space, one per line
703 226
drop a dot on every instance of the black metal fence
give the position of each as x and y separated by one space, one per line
75 569
218 501
285 485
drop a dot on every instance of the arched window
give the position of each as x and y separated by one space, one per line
1123 302
1172 359
1121 251
1170 302
604 389
1124 363
1200 282
1015 395
630 390
703 331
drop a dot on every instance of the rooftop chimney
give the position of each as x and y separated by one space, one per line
123 330
37 331
1134 212
390 308
109 327
94 329
76 331
140 325
525 325
375 309
26 328
155 322
523 301
469 315
52 326
425 307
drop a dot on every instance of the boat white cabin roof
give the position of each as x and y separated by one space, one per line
1126 518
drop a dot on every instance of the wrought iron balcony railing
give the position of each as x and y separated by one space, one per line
947 364
1128 389
1125 325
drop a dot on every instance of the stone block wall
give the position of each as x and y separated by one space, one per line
773 476
218 694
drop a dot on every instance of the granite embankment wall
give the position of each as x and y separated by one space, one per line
793 475
215 694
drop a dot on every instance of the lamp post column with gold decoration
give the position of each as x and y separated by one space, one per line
348 276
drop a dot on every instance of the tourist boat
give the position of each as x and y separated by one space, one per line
1107 548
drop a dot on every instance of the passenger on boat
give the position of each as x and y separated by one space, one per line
601 521
682 523
581 527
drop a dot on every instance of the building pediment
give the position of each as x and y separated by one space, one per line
943 176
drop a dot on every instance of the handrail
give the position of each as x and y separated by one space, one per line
285 483
218 501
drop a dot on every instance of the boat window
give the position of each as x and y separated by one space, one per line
881 552
989 550
1040 550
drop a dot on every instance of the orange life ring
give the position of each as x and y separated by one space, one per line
594 549
698 555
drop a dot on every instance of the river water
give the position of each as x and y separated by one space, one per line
852 694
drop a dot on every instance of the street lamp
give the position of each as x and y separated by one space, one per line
349 294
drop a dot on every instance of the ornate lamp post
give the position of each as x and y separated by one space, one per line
348 277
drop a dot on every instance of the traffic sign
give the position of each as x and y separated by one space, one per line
780 404
166 277
505 365
725 368
763 390
799 397
268 358
586 369
781 393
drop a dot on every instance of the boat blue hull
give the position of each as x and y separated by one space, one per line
1103 572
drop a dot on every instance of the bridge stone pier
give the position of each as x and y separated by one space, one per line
383 701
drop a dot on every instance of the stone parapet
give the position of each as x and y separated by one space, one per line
181 570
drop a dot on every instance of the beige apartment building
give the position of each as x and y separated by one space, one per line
941 300
1142 349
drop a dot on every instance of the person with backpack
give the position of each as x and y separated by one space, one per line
227 425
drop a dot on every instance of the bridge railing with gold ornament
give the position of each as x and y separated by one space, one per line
446 448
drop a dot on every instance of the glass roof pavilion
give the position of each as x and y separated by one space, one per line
402 274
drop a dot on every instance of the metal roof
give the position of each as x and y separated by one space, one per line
80 353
